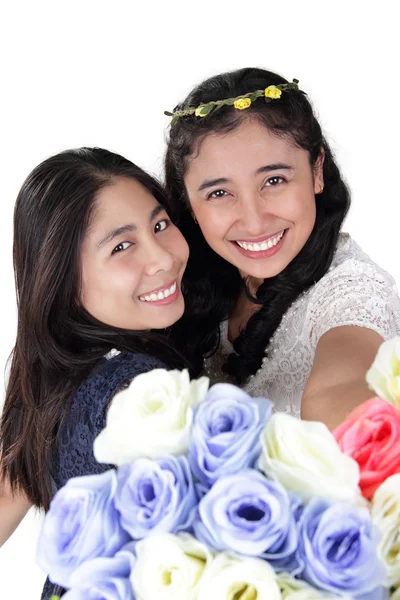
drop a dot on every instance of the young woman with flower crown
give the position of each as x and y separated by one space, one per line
98 265
285 304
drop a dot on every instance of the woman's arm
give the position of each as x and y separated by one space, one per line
13 508
337 381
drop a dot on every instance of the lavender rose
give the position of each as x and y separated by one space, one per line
252 515
155 496
226 432
338 549
104 578
82 524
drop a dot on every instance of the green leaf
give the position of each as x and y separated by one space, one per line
169 114
174 120
55 598
230 101
203 111
267 100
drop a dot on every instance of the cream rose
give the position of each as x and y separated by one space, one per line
305 458
395 595
151 418
386 516
169 567
231 576
384 375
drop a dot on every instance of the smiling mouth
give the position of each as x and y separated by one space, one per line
262 244
159 294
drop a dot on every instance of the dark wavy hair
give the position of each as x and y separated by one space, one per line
58 343
212 284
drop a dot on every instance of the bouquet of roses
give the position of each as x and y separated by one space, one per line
216 498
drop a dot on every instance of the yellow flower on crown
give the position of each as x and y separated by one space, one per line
242 103
272 92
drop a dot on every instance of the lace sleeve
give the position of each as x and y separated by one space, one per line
355 293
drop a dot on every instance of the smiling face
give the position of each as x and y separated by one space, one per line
253 195
132 260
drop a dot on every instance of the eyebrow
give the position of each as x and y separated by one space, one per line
266 169
129 227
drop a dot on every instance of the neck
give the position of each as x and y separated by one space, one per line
252 282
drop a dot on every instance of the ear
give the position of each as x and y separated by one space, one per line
318 170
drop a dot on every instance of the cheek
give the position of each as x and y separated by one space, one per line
122 274
214 221
178 247
298 207
88 284
113 278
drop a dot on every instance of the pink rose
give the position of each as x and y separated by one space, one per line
371 436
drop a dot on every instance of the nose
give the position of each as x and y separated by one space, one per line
252 213
156 258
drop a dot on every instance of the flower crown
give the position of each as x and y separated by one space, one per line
272 92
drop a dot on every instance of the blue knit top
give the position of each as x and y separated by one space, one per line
86 418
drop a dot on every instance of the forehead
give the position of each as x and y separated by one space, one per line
125 197
251 144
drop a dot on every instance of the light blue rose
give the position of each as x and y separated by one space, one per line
104 578
226 432
82 524
250 514
338 549
156 496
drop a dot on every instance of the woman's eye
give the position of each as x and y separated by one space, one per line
216 194
161 225
272 181
122 246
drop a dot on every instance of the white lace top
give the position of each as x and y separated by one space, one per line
355 291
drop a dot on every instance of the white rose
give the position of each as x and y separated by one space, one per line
297 589
151 418
169 567
386 516
231 576
384 375
305 458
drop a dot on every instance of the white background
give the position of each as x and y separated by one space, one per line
101 74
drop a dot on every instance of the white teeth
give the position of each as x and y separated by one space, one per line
160 295
259 247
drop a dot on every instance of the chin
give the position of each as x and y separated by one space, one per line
263 273
167 320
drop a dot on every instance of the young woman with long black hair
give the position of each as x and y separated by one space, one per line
282 302
98 268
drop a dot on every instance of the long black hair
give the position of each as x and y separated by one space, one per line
212 284
58 342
